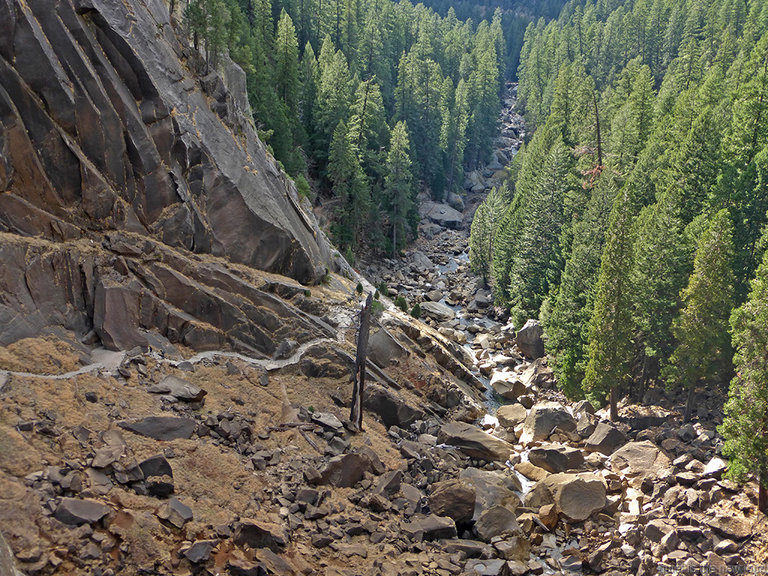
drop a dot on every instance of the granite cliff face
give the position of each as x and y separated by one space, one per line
127 175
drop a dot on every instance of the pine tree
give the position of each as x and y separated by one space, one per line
484 82
660 269
287 63
704 349
350 186
537 262
368 128
334 97
567 326
745 427
398 187
483 236
610 335
309 81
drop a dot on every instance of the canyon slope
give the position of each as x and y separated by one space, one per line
126 169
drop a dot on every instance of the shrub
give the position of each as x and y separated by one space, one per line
416 311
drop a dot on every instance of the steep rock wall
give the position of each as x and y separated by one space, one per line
108 123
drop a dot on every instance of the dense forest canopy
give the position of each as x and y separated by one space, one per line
515 17
330 81
638 207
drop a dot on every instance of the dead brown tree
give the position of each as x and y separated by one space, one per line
356 414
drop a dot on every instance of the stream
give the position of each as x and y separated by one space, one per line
436 269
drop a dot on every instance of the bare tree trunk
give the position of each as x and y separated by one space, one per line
614 408
356 414
689 404
599 136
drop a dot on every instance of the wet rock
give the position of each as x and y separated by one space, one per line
161 427
544 418
473 441
529 340
556 458
606 439
496 521
258 534
77 511
455 499
178 388
577 496
641 458
511 415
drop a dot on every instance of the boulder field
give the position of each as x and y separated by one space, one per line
178 339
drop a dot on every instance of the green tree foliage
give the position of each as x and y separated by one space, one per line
350 187
666 102
334 96
567 326
399 191
368 128
659 272
537 262
287 63
610 336
209 22
745 427
483 231
704 349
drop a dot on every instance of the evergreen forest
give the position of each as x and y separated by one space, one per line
366 103
632 222
634 227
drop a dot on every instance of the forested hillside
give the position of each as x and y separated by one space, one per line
638 205
372 99
515 17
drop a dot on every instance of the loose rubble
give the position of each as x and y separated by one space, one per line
233 465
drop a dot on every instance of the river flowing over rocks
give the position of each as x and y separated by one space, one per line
589 495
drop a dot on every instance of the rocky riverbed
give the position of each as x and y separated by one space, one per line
196 457
640 496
